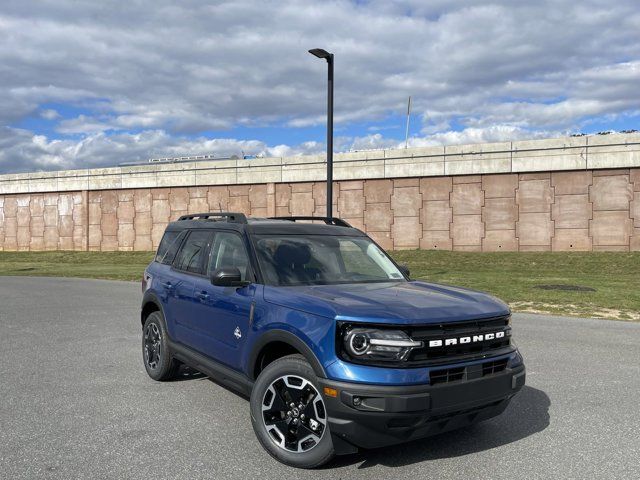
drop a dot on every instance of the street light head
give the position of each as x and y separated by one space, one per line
320 53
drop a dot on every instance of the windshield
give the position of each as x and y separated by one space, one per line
321 260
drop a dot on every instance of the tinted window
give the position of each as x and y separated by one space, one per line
323 259
169 247
228 251
167 239
194 249
365 261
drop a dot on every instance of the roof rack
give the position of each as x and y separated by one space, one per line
230 217
335 221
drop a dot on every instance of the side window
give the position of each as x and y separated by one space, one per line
169 247
193 252
229 251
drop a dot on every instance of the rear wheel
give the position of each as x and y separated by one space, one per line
289 415
156 354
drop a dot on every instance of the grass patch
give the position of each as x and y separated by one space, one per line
514 277
106 265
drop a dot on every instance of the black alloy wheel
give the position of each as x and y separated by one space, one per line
156 351
152 346
294 414
289 413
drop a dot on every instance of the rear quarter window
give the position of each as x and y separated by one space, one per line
169 246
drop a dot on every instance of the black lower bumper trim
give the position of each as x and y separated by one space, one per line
371 416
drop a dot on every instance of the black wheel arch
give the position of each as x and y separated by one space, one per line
150 303
278 336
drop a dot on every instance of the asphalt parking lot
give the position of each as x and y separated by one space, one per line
75 402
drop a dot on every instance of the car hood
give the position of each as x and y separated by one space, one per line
393 302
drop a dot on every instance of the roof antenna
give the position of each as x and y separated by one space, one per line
220 207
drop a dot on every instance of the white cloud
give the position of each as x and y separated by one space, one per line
133 69
99 149
494 133
372 142
49 114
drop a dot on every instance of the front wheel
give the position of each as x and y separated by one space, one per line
289 415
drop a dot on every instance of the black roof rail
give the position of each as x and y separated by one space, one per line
335 221
230 217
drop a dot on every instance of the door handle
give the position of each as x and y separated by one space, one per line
167 285
203 296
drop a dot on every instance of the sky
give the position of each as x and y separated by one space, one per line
88 83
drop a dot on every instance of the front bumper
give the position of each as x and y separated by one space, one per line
371 416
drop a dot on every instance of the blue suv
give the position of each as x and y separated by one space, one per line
337 348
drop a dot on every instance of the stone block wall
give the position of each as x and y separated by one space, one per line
584 210
43 221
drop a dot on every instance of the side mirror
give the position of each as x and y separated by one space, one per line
404 270
227 277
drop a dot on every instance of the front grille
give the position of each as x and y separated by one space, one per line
448 375
466 335
497 366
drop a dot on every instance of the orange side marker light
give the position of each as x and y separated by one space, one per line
330 392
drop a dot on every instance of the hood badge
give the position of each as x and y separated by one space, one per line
237 333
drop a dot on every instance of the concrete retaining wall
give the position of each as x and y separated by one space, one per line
562 194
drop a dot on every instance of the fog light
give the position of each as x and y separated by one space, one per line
516 360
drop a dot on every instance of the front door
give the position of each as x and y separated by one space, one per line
223 312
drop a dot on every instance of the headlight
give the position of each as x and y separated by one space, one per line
372 344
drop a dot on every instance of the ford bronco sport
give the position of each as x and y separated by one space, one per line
337 348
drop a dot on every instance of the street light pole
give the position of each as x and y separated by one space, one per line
320 53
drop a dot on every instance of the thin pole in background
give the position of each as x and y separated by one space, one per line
406 135
320 53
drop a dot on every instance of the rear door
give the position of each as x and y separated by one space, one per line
163 277
189 266
223 312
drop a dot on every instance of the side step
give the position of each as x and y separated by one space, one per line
220 373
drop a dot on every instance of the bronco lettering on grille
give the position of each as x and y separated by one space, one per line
462 340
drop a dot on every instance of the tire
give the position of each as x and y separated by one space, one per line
156 354
305 429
